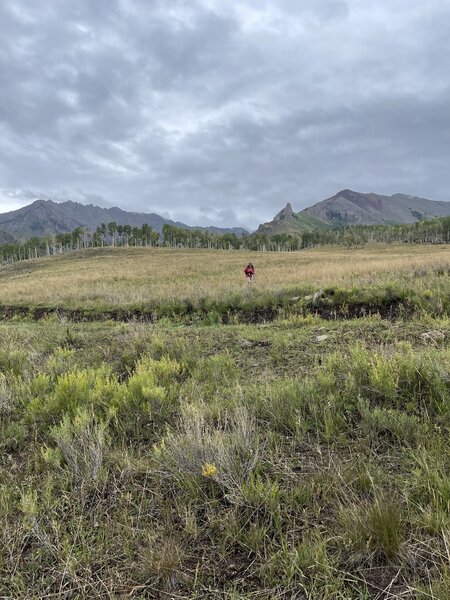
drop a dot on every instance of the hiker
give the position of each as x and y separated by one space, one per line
249 272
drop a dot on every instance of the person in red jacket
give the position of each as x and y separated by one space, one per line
249 272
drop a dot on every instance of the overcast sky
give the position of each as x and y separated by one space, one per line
221 111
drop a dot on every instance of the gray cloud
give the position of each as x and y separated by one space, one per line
216 112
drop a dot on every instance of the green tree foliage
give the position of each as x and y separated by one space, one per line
435 231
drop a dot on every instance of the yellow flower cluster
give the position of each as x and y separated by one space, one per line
209 470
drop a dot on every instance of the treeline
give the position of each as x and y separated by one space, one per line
111 234
106 234
433 231
436 231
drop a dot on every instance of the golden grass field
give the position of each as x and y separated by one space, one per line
127 277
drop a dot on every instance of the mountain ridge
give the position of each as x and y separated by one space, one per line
43 217
348 207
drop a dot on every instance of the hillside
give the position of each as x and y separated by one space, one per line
354 208
45 216
5 238
348 207
287 221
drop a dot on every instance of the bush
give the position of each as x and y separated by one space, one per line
149 397
90 388
226 453
61 361
82 442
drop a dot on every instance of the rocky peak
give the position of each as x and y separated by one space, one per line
348 194
285 213
39 202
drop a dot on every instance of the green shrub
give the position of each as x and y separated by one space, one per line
12 434
225 453
89 388
15 362
261 497
414 382
8 500
82 442
61 361
149 397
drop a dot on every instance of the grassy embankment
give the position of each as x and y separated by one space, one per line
192 285
301 459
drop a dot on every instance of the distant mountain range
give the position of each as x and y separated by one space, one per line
344 208
354 208
45 216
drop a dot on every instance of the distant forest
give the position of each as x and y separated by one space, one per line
435 231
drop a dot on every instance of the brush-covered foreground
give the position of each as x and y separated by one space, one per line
300 459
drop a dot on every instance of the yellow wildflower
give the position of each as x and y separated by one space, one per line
209 470
158 448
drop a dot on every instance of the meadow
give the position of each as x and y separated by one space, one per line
108 278
296 457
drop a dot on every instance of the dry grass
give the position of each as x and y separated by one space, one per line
129 277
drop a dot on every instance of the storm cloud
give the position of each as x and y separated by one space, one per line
214 112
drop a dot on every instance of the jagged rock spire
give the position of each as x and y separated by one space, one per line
285 213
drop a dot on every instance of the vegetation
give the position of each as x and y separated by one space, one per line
200 285
235 462
434 231
301 458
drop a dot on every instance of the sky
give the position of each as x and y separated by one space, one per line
222 111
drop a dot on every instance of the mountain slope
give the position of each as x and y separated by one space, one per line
5 238
45 216
348 207
354 208
287 221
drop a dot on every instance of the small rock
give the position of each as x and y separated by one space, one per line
433 335
321 338
295 298
245 343
316 296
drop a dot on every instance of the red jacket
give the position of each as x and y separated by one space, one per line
249 271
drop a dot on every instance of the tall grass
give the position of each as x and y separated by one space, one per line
146 277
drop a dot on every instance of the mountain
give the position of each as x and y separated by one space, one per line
287 221
45 216
355 208
5 238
